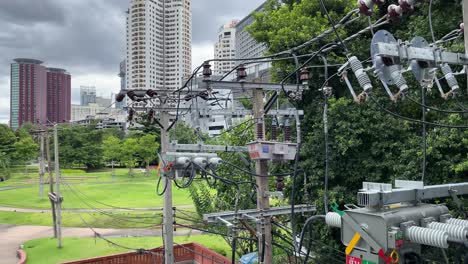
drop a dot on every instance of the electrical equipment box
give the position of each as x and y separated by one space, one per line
394 223
274 151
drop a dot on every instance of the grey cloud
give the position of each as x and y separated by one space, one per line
31 12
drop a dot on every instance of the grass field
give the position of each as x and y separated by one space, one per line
45 251
120 191
98 220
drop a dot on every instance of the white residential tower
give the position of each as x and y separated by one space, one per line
145 45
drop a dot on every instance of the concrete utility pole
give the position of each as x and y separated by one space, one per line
465 21
263 199
41 166
57 182
51 183
168 217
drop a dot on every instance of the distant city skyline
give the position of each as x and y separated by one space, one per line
87 38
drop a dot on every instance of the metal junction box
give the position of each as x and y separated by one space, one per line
275 151
384 226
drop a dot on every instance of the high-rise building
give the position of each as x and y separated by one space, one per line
87 95
145 46
28 92
123 83
58 95
225 48
247 47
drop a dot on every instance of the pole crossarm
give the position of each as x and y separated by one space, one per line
227 112
174 146
375 198
247 86
251 214
403 52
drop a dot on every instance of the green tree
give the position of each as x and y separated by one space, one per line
147 149
80 145
129 153
111 148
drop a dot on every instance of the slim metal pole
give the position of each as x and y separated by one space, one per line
51 183
57 182
41 167
465 21
263 199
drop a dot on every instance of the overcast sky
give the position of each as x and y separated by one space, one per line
87 37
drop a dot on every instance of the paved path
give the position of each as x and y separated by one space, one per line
11 236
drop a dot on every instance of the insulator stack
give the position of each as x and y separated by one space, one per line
454 231
398 79
287 130
394 11
131 112
333 219
365 6
274 130
360 74
448 74
260 129
458 222
279 183
426 236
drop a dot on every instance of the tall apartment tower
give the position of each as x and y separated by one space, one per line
225 48
87 95
145 45
58 95
28 92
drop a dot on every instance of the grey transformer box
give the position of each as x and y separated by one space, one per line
395 224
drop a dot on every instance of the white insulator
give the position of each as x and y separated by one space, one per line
426 236
182 162
333 219
214 162
200 161
454 231
458 222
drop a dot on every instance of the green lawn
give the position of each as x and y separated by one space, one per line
45 251
119 194
98 220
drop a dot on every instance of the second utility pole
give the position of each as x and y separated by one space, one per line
168 218
263 198
57 193
51 182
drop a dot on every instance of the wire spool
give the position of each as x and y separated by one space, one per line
333 219
458 222
426 236
454 231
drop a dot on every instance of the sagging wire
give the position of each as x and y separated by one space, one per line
380 106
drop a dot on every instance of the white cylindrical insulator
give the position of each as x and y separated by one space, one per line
182 162
214 162
454 231
333 219
426 236
458 222
200 161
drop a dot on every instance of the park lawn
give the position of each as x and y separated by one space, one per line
119 194
20 178
97 220
45 251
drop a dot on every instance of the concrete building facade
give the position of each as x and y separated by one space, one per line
145 46
28 92
87 95
38 94
225 48
58 95
247 47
